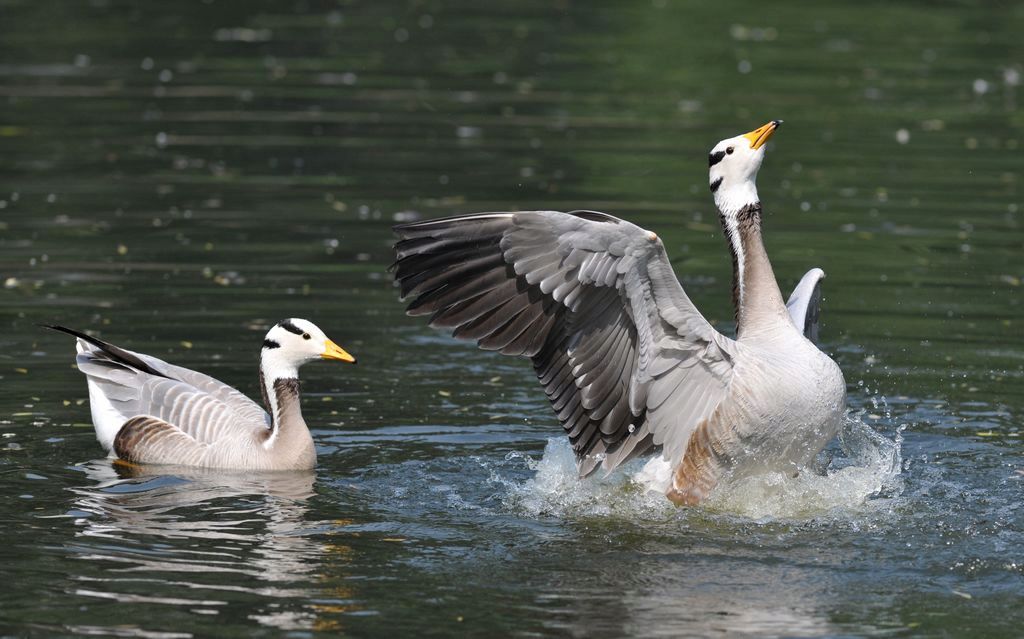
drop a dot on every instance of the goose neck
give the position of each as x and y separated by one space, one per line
281 396
757 301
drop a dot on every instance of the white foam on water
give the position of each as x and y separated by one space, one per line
865 477
557 490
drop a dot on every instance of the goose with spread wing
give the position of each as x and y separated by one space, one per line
629 364
147 411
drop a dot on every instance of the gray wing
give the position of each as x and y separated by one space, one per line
124 384
625 358
804 304
244 408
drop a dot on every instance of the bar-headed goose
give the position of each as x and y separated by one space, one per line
628 362
147 411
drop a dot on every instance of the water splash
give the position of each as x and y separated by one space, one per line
863 475
556 489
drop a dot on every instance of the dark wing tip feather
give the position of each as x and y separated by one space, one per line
117 354
595 216
441 222
76 333
491 277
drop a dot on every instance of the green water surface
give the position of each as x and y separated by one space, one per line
177 177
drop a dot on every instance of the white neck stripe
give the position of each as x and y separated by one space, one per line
733 232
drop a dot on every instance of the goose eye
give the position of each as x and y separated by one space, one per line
305 336
730 150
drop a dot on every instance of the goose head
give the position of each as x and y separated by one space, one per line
294 342
733 168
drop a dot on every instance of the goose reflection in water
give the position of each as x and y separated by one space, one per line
707 595
193 534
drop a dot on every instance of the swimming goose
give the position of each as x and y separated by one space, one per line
147 411
628 362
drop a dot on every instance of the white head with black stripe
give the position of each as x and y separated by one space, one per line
733 168
294 342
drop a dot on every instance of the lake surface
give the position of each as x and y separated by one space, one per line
178 177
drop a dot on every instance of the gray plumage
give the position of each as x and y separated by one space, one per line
150 412
592 301
628 362
805 303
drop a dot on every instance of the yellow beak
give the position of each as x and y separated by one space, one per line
333 351
760 135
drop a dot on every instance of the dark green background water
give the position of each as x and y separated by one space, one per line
179 176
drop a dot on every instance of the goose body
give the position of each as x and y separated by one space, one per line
147 411
628 362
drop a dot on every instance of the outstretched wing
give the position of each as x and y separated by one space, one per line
804 304
124 384
628 362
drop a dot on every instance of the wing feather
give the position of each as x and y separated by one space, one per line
149 440
804 304
124 384
626 360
